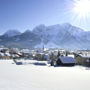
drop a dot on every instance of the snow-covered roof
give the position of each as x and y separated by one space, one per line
71 55
14 55
7 54
85 56
67 60
1 54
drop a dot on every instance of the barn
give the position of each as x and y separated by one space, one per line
65 61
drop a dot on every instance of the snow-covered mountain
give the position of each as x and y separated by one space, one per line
62 36
11 33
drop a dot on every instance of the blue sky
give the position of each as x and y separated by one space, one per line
26 14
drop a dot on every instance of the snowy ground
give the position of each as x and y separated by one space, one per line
35 75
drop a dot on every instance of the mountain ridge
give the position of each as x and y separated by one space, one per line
62 36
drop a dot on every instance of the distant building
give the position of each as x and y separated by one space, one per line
83 59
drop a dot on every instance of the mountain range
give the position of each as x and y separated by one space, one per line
64 36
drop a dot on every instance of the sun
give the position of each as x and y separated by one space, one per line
82 7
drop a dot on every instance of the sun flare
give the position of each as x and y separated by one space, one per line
82 7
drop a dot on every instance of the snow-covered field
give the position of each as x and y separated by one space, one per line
34 75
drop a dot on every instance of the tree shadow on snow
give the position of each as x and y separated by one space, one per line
39 64
35 63
64 66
